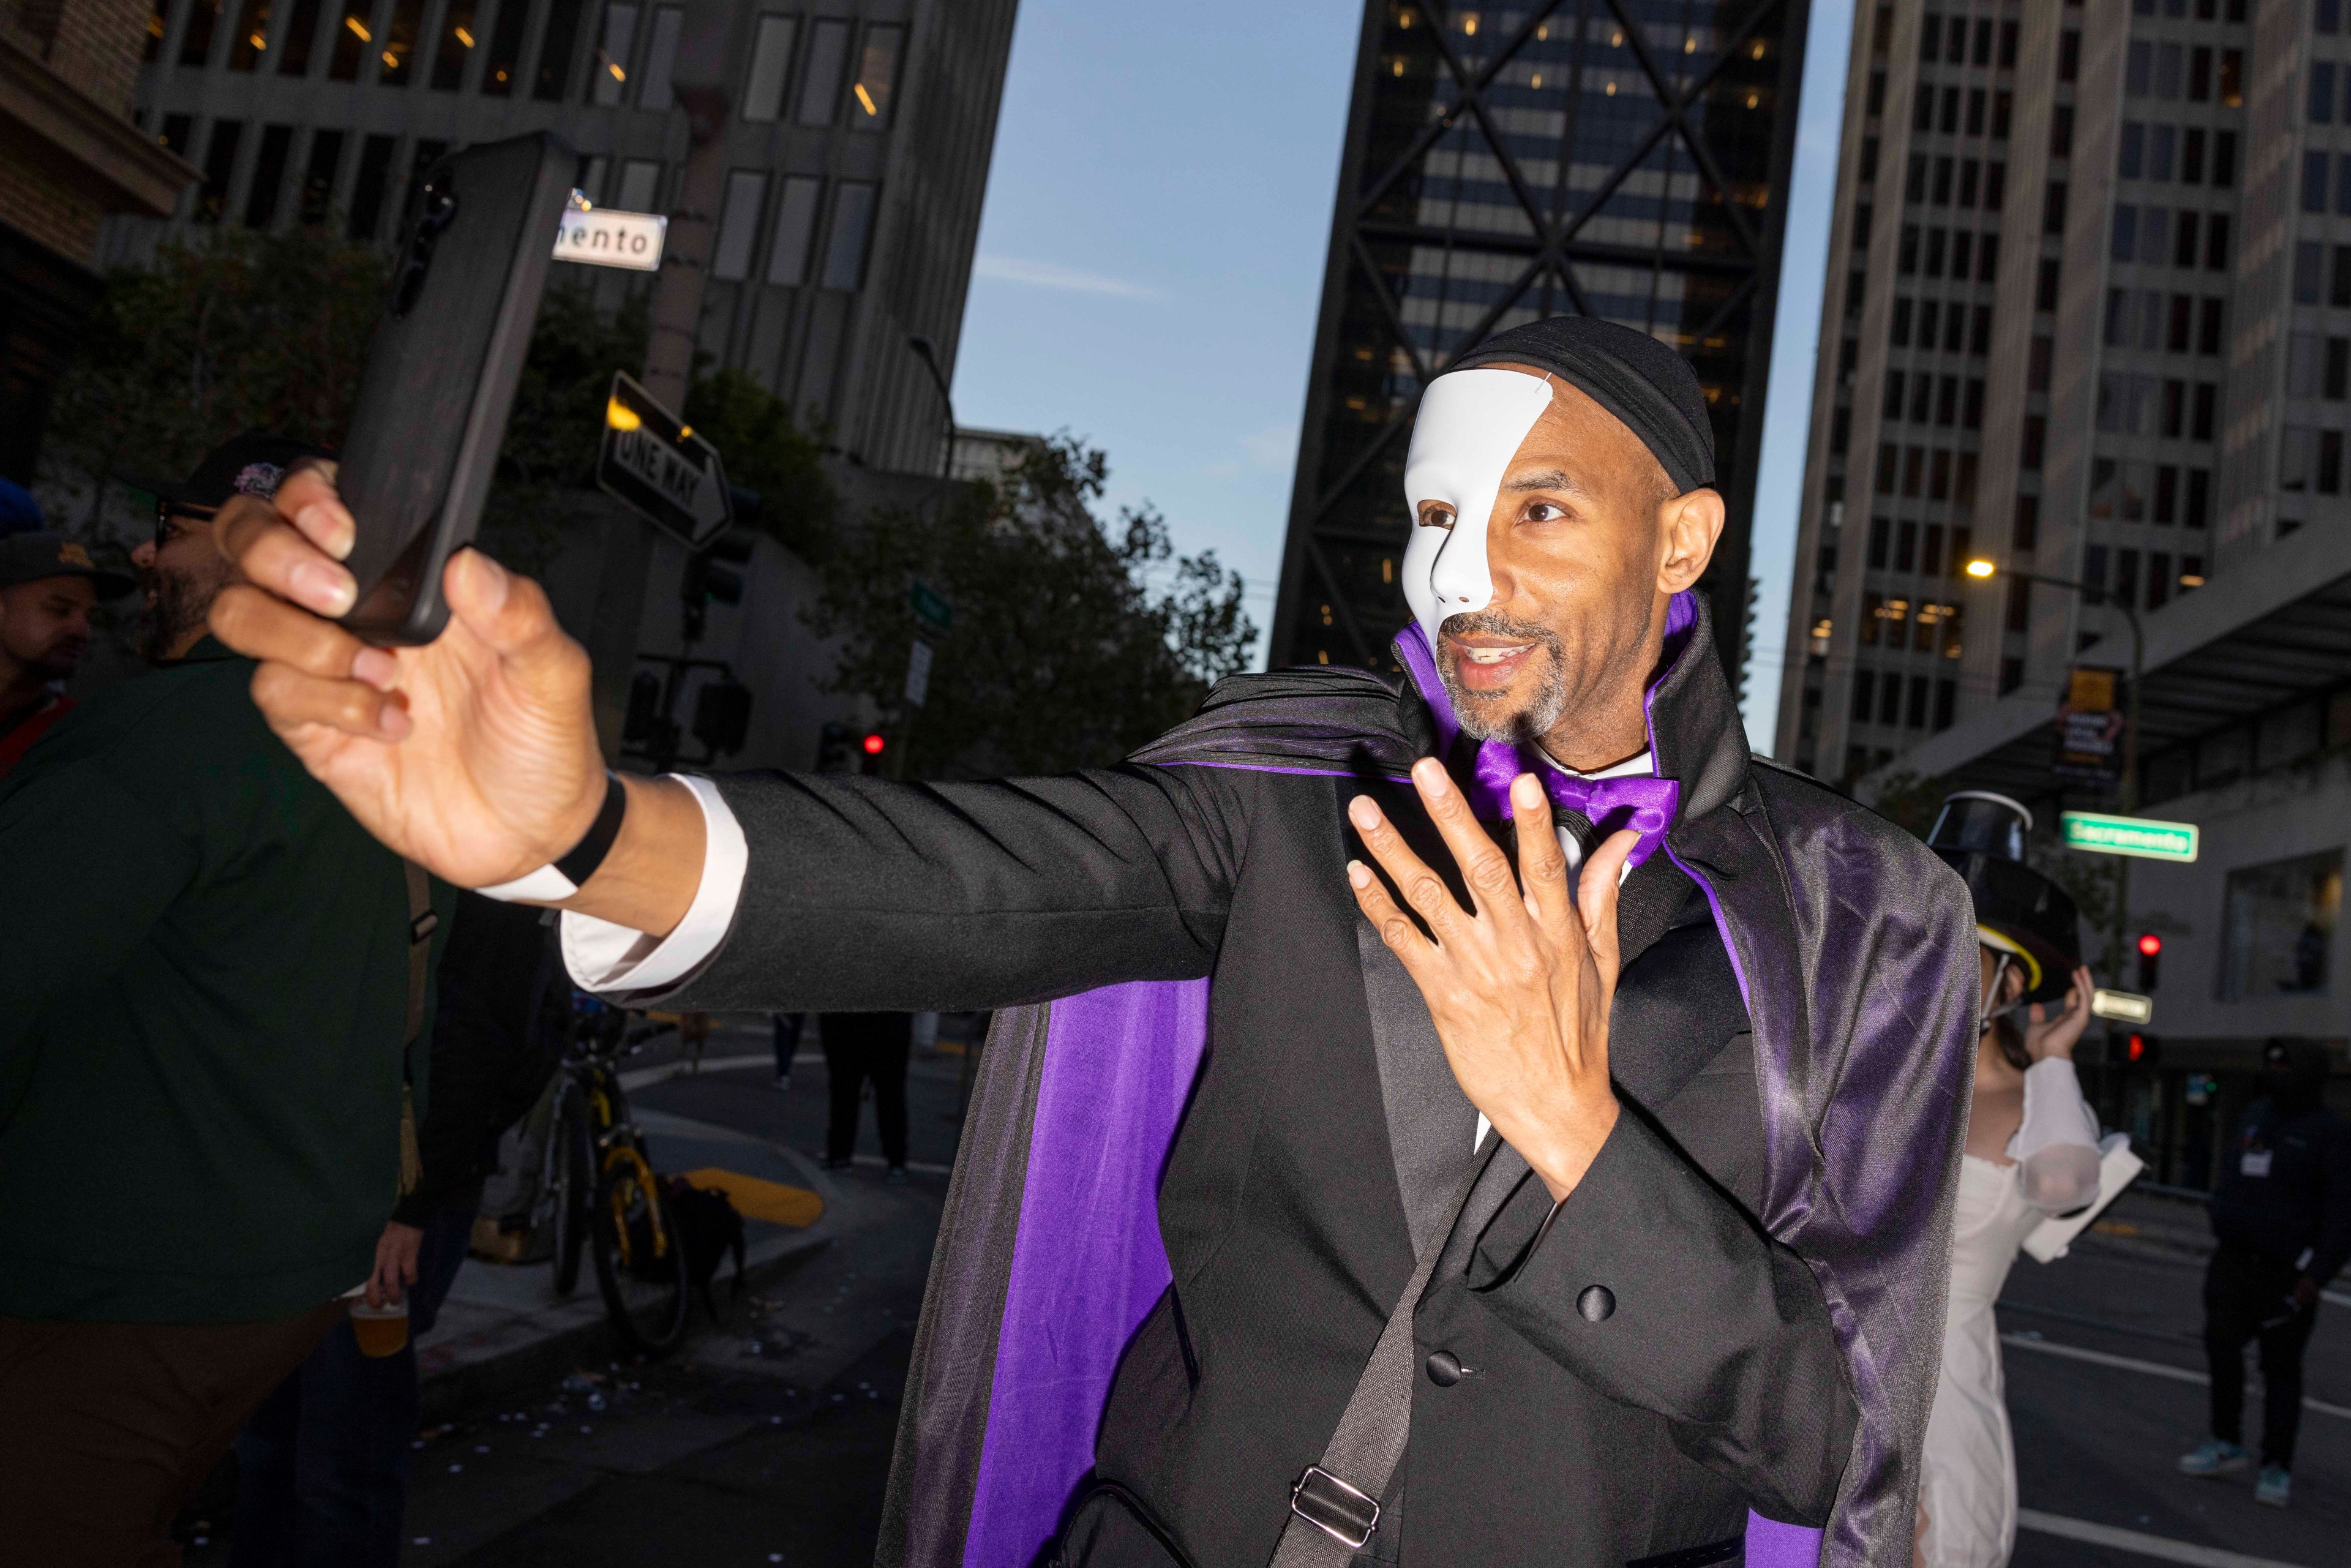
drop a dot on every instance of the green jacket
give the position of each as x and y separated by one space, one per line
203 991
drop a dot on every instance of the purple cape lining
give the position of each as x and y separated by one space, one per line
1089 1263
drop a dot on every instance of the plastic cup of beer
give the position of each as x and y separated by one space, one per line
381 1330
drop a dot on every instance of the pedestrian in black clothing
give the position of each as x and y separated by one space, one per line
858 1047
2281 1211
322 1467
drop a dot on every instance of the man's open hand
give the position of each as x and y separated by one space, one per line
1518 987
475 755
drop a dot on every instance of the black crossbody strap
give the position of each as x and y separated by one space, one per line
1334 1504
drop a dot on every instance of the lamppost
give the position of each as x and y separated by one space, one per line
1983 571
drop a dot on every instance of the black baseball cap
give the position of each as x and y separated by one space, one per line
251 465
40 554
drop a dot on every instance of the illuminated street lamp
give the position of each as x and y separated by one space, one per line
1983 569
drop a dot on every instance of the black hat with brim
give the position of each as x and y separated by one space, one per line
248 465
2023 912
40 554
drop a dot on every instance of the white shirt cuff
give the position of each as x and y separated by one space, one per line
604 957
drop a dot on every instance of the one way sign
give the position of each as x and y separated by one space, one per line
661 468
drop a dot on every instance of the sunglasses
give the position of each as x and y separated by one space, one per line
166 511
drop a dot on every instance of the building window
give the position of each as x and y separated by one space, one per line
828 58
399 53
1946 697
555 50
2199 497
1864 694
2025 533
220 168
640 185
318 175
2320 104
367 190
852 222
499 71
2314 181
738 225
796 209
608 75
2011 675
247 45
300 34
351 38
771 58
877 77
458 40
2278 927
269 176
654 93
197 36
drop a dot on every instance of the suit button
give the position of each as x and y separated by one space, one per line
1444 1368
1595 1303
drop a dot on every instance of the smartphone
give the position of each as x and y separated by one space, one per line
441 373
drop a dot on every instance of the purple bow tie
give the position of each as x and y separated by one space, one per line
1643 804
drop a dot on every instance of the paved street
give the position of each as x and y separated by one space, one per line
769 1440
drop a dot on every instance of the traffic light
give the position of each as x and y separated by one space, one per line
2134 1050
712 577
2150 953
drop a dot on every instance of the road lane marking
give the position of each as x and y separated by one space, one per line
2142 1544
2153 1369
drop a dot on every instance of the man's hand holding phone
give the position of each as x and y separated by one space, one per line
473 755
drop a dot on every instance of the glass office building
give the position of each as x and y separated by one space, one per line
1503 164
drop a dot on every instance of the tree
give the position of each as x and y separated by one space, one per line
764 452
1061 655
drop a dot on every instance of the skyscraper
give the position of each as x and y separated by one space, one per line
2090 319
858 142
1626 161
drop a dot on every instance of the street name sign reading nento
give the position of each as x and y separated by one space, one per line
655 465
603 237
2141 836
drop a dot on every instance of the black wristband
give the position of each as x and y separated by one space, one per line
589 853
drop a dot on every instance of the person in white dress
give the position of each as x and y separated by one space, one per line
2032 1152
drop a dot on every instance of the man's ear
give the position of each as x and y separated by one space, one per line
1687 527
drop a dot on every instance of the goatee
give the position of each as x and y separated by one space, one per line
179 609
1476 710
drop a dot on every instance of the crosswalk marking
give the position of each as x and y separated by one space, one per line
2151 1368
2142 1544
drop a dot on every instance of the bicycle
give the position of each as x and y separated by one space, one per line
599 1189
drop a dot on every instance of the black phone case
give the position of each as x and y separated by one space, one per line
441 373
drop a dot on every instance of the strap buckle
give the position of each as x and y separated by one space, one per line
1346 1514
421 929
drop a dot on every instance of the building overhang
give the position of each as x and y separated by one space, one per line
64 128
2276 628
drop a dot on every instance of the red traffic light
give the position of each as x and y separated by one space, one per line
2150 944
2137 1048
873 744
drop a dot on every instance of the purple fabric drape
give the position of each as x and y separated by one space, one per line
1089 1264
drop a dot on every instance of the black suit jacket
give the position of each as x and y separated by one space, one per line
1717 1380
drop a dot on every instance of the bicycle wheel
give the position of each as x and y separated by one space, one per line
640 1260
575 1184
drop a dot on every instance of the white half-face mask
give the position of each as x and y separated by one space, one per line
1469 428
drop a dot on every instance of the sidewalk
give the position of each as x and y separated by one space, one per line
504 1328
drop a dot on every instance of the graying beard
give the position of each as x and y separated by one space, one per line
1528 727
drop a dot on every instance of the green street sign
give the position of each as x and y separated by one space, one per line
2141 836
930 608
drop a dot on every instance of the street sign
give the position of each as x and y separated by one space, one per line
2123 1006
930 608
2140 836
661 469
918 673
603 237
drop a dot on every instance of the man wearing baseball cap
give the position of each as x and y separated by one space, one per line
48 585
216 1014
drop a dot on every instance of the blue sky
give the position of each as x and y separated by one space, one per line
1151 256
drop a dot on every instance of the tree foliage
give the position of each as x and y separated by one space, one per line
244 330
1061 655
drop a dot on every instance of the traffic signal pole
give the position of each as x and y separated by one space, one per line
699 78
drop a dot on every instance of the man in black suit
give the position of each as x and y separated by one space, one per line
1518 1003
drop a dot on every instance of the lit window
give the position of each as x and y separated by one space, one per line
877 76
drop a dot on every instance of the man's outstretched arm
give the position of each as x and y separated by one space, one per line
475 756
